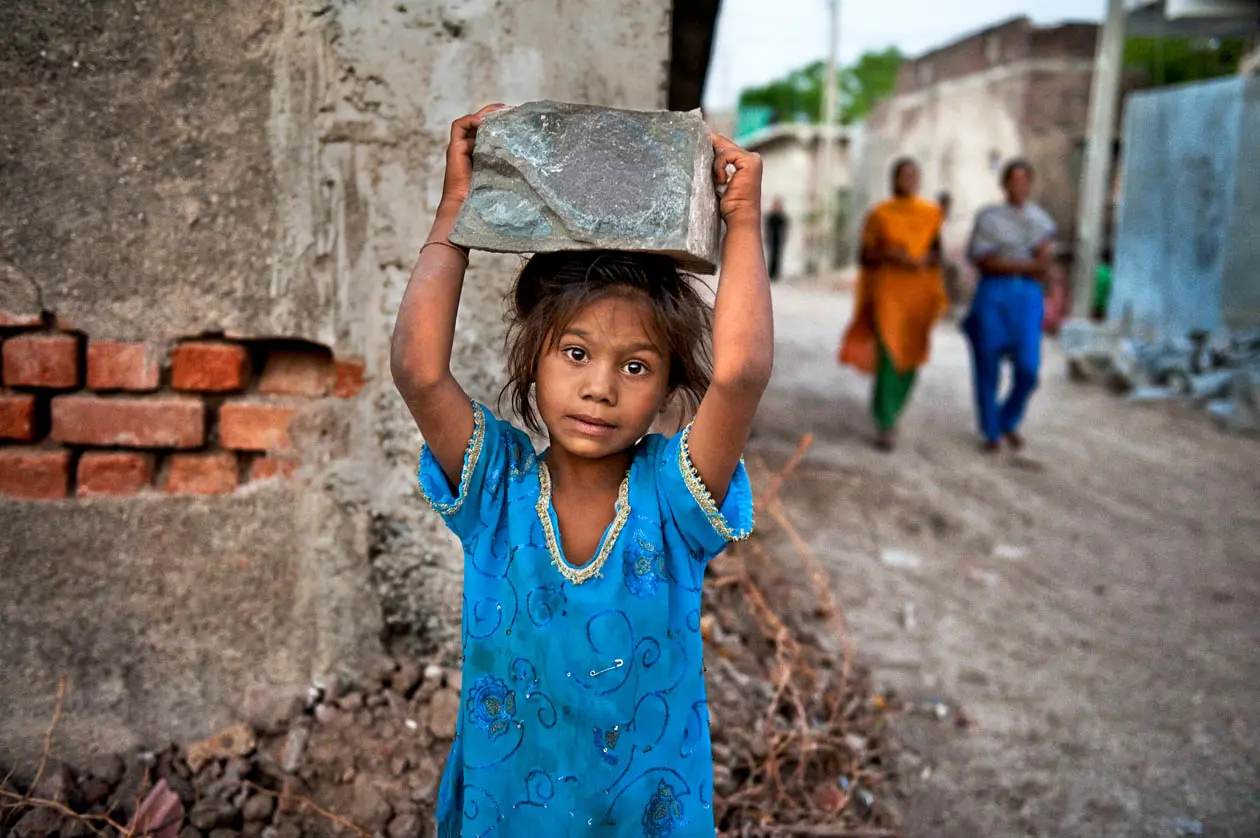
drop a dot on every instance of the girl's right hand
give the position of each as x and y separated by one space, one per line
458 177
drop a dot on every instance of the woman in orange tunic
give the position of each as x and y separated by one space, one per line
899 297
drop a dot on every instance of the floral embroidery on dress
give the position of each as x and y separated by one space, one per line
644 566
521 458
606 743
664 812
491 705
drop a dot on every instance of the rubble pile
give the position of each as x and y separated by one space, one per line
334 759
1218 372
800 738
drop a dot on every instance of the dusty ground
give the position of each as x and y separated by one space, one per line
1094 607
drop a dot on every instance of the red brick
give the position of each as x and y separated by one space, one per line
267 467
297 372
254 426
17 416
42 361
14 318
34 474
202 474
122 366
133 422
349 377
113 473
207 367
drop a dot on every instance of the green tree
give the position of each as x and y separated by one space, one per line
1177 60
873 77
798 96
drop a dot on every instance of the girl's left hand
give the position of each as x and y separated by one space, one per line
742 199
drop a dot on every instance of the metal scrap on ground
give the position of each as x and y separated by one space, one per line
1218 372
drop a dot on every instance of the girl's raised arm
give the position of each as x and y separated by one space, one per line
743 325
420 352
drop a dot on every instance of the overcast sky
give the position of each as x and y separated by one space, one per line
760 40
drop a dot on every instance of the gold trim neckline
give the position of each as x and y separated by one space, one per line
578 575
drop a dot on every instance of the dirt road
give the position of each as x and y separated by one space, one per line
1094 607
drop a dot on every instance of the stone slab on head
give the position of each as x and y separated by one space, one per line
551 176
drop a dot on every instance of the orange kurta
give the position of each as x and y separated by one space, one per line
899 305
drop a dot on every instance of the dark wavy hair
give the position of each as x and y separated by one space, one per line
1013 166
553 287
895 171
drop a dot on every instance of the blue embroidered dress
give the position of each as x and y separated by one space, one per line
583 687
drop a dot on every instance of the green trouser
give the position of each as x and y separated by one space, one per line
892 390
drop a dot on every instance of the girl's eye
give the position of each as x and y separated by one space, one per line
575 353
635 368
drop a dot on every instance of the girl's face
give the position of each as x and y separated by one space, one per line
605 378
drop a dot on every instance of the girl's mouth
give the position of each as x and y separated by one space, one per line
591 425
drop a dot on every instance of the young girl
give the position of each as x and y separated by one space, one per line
583 690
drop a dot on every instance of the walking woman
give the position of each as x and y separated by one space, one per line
899 297
1012 245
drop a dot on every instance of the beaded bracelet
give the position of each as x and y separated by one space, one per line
460 250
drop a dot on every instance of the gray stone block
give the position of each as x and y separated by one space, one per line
550 176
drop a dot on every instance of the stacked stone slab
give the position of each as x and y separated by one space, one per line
549 176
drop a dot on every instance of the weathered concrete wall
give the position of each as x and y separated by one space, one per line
1240 292
261 171
788 169
1186 252
790 157
139 198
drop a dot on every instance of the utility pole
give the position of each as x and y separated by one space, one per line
825 234
1104 97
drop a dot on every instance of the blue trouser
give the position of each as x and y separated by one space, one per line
1004 322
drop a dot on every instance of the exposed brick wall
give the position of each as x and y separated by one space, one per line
122 366
996 45
113 473
96 418
1014 40
42 360
209 367
1057 99
17 417
1071 40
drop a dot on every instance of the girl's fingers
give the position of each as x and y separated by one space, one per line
731 156
466 125
719 171
462 127
722 156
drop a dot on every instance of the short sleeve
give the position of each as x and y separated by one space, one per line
985 238
474 502
705 527
1049 229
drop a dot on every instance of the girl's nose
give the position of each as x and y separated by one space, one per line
600 385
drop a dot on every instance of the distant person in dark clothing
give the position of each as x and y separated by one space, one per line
776 237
